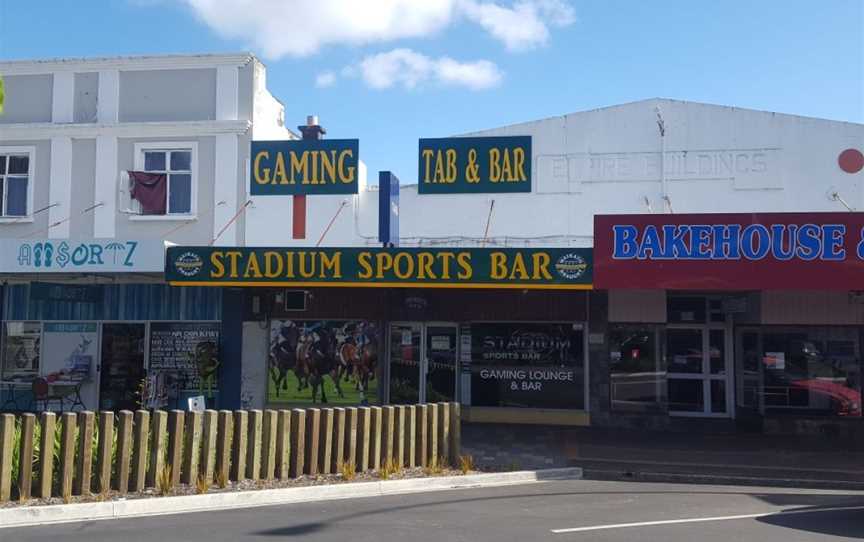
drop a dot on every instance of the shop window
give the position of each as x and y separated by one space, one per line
685 310
16 174
812 370
637 372
164 181
529 365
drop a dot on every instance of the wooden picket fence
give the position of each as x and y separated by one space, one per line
130 451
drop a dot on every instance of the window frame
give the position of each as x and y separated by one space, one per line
30 151
140 149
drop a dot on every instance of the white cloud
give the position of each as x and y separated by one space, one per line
278 28
409 69
522 26
325 79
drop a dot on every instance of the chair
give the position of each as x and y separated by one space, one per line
42 392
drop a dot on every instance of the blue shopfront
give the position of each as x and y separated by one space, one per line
107 338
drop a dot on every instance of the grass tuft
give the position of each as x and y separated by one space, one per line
433 467
202 484
348 470
163 481
466 463
388 469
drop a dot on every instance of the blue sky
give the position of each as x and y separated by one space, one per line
438 67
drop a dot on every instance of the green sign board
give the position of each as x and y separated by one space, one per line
525 268
474 165
304 167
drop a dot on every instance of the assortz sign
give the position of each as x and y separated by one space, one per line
322 166
553 268
54 255
475 165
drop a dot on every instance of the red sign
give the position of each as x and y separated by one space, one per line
760 251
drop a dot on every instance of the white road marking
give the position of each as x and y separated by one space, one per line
702 520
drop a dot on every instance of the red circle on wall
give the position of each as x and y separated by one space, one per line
851 161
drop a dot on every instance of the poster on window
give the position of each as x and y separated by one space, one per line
529 365
69 351
21 349
184 357
323 361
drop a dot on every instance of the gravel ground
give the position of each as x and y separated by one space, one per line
244 485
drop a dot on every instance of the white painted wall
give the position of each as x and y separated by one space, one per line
717 159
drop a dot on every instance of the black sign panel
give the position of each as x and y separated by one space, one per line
530 365
187 353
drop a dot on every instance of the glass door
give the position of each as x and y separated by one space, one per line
697 381
122 366
406 378
423 362
440 360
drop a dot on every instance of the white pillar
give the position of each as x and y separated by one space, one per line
108 98
63 97
225 189
60 187
227 92
107 189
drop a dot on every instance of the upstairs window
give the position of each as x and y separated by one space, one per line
16 172
163 183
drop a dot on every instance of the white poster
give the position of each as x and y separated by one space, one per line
775 360
69 352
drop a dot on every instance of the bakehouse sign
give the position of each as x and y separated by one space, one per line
529 268
730 251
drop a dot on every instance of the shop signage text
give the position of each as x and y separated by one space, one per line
556 268
730 251
81 255
475 165
320 166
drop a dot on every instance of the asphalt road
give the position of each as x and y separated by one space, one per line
580 511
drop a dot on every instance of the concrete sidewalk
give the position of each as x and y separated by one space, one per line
620 454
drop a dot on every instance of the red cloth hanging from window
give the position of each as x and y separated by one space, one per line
151 190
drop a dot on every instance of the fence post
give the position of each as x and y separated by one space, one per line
432 433
455 431
208 445
411 436
338 454
268 445
298 444
387 425
223 445
84 465
253 445
159 432
399 436
325 444
7 430
25 454
313 426
175 444
364 424
351 419
422 435
238 452
283 444
67 453
124 450
191 448
444 433
106 440
140 442
375 439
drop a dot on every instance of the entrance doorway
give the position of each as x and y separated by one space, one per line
423 362
699 368
122 366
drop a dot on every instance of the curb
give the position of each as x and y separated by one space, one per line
717 479
155 506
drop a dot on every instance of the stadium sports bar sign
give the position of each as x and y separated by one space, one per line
763 251
524 268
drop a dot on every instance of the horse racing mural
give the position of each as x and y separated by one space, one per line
323 361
